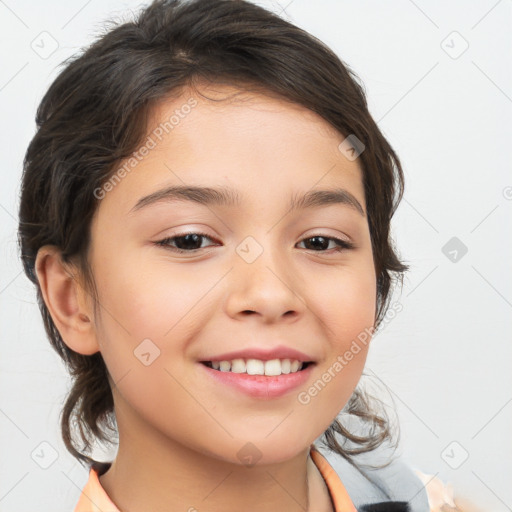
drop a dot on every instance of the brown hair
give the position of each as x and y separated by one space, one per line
94 115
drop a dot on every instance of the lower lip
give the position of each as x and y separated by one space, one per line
261 386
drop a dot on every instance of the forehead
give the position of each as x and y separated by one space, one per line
238 114
259 144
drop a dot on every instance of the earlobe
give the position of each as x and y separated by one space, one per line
66 301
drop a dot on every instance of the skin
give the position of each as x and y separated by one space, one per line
178 434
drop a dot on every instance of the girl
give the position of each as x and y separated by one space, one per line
205 212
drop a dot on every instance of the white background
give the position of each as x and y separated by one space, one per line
446 357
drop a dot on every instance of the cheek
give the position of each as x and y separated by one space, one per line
345 302
150 300
149 312
146 319
346 308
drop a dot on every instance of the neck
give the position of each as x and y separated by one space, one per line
153 472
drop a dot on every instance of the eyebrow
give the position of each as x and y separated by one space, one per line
223 196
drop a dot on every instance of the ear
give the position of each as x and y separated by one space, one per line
67 301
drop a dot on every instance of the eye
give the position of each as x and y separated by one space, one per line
322 242
184 242
191 242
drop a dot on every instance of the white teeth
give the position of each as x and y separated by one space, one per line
295 365
285 366
258 367
238 366
273 367
255 367
225 366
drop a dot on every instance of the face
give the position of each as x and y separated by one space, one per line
256 275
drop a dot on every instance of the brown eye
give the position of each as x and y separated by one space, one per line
192 242
184 242
319 243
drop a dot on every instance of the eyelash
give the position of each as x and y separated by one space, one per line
342 245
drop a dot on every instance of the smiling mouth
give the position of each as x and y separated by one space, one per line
303 366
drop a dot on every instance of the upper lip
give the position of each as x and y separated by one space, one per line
279 352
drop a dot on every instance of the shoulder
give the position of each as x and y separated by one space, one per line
93 497
393 488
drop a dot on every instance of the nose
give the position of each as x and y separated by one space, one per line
265 288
